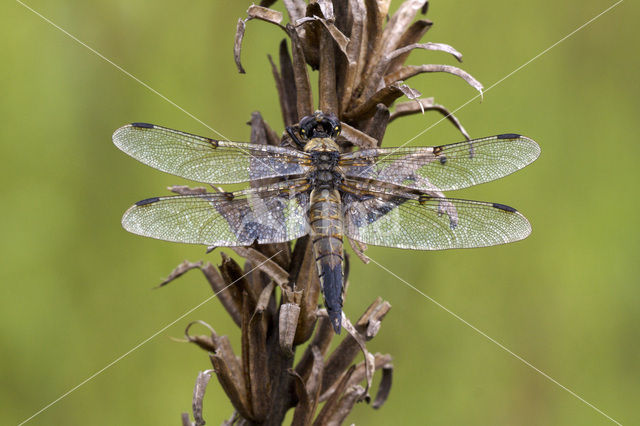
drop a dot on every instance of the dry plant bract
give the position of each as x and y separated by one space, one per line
359 52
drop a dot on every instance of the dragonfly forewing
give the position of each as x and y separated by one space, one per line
446 167
207 160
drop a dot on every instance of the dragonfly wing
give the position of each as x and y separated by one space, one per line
446 167
421 221
207 160
270 214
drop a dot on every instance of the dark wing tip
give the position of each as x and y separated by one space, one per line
147 201
508 136
142 125
504 207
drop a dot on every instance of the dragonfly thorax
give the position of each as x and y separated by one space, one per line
324 153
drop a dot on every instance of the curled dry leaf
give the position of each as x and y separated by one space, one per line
198 395
180 270
413 70
427 104
254 12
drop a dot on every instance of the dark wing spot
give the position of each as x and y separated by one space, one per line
504 207
423 198
147 201
508 136
143 125
213 142
437 150
443 160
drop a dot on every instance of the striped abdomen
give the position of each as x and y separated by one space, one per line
325 218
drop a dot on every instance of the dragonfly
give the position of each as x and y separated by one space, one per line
389 197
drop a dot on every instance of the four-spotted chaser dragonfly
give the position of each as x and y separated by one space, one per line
386 196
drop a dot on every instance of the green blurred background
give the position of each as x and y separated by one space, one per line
77 289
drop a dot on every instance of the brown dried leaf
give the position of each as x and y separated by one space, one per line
359 374
358 138
303 413
265 297
376 14
185 420
308 395
229 296
385 386
412 35
304 277
387 42
289 313
356 49
427 104
412 70
348 349
384 96
186 190
231 386
266 265
265 14
237 46
254 12
295 8
369 360
198 395
345 405
303 87
321 341
328 100
230 375
232 273
331 405
358 249
208 343
289 85
426 46
254 359
180 270
377 125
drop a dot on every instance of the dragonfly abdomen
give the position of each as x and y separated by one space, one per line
325 218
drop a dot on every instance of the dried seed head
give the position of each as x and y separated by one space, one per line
359 53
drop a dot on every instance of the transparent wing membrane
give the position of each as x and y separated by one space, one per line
207 160
421 221
446 167
271 214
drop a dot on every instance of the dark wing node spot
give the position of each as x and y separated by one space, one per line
423 198
147 201
213 142
437 150
504 207
143 125
508 136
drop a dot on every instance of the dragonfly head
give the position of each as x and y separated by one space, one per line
320 125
